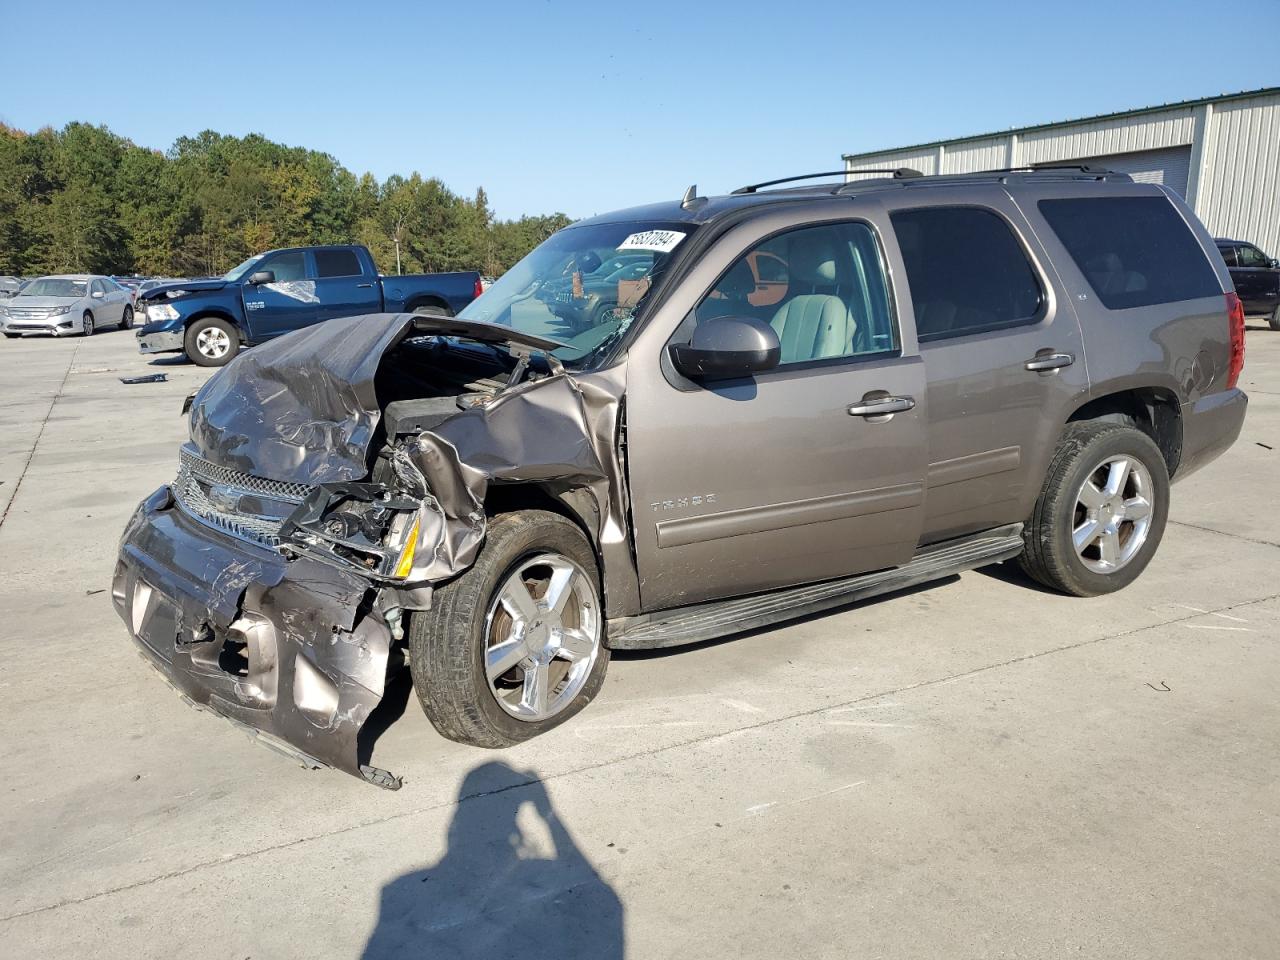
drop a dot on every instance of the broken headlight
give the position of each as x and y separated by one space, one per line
360 525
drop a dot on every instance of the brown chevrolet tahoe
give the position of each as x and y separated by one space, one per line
946 372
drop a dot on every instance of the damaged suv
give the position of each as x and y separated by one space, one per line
946 372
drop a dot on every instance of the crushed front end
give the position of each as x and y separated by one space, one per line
291 651
311 514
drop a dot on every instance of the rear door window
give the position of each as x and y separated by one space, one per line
1228 255
337 263
967 272
1134 251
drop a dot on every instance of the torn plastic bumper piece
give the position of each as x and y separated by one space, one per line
293 651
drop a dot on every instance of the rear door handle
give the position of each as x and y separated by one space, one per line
880 409
363 285
1048 362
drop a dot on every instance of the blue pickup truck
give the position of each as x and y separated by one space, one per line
283 290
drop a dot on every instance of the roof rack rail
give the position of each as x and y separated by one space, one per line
1080 169
901 173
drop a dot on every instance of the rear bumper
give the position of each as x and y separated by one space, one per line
1209 426
284 649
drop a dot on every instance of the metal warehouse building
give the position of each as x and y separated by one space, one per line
1221 153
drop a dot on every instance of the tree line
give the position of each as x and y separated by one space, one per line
83 199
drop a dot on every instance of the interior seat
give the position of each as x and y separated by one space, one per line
814 325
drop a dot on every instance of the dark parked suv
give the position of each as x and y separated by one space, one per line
1256 277
945 372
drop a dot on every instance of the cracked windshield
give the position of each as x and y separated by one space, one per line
582 286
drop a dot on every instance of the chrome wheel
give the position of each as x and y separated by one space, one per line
542 637
1113 514
86 324
213 342
126 320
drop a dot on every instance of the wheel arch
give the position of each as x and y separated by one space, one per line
428 300
572 503
1154 410
219 314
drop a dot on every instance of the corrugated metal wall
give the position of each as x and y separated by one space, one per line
925 162
1170 166
1168 128
1240 181
1233 177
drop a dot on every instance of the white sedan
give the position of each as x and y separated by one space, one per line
64 305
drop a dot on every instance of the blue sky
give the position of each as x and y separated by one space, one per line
585 107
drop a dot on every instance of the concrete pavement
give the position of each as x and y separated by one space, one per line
974 769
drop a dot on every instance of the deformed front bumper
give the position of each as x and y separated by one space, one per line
290 650
160 341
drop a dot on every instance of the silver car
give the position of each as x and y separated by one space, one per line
68 304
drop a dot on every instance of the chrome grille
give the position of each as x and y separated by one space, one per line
215 496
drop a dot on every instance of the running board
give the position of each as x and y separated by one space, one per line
703 621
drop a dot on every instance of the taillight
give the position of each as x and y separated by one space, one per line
1235 319
480 289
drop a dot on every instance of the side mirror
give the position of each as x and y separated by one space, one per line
1275 264
727 347
263 276
97 294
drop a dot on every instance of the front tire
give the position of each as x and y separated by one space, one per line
1101 512
1274 319
515 645
211 342
86 324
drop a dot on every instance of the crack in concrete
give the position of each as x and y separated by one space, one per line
40 434
640 755
1224 533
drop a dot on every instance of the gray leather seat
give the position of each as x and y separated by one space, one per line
813 325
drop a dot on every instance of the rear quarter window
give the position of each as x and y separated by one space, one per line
1134 251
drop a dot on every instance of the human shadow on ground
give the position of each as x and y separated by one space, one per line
512 883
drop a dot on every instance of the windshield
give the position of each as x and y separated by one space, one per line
581 286
55 287
236 272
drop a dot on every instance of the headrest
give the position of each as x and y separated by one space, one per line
812 259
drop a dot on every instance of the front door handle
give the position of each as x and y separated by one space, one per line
364 285
879 409
1049 362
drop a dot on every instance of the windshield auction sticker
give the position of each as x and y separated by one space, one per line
662 241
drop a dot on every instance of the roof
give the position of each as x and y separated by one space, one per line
73 276
1135 112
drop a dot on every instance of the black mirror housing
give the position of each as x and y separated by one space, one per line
263 276
727 347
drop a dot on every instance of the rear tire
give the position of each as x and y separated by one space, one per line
1274 319
126 319
211 342
432 310
453 646
1101 512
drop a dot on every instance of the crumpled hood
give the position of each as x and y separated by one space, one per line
188 286
302 408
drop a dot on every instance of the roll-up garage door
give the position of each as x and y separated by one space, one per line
1170 166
